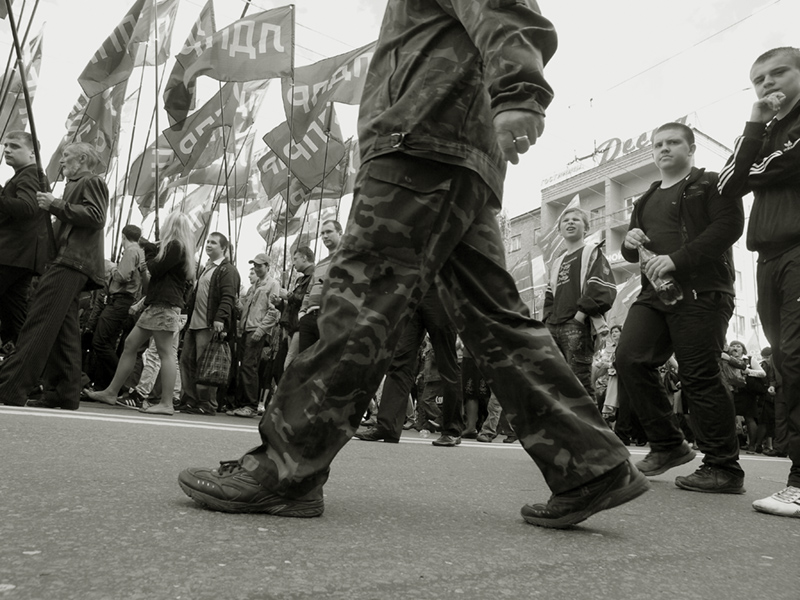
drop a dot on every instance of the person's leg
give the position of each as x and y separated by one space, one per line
698 335
15 284
188 366
248 370
152 365
399 379
644 346
106 335
443 340
55 299
489 428
556 421
136 338
166 352
574 339
308 331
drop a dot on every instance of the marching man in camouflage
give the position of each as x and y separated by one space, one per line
455 89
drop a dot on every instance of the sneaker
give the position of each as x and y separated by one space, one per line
658 462
470 435
510 439
482 437
447 440
785 503
248 412
44 402
197 410
375 435
229 488
621 484
711 480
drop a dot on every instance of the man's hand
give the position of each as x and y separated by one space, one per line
765 109
658 266
219 327
635 238
44 199
517 130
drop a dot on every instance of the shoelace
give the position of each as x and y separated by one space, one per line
790 494
228 466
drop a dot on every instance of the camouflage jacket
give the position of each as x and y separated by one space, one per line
443 69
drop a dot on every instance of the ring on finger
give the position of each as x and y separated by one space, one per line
522 137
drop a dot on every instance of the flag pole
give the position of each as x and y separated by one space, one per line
155 111
5 83
26 93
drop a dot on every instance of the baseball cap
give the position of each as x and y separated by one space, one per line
260 259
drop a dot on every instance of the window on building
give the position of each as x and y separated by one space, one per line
739 325
537 233
516 243
597 217
738 281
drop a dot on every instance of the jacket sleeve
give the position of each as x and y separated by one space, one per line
229 286
90 210
726 223
270 319
547 309
515 42
745 171
600 289
632 256
23 204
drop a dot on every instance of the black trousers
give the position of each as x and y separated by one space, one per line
430 316
694 330
110 325
50 338
14 285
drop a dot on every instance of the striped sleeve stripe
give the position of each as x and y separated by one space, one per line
759 168
727 171
601 282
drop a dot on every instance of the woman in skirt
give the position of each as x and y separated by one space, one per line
171 270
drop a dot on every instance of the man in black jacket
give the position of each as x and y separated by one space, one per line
24 241
766 161
690 227
211 312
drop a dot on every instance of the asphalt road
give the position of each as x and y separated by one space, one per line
90 509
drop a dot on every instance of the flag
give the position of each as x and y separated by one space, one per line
14 115
179 98
95 121
256 47
141 177
143 40
114 60
201 138
198 206
315 155
336 79
627 292
4 8
274 173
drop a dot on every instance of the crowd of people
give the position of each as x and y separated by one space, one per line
423 252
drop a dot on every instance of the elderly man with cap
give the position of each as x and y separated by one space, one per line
259 316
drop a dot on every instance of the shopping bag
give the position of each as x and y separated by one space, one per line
215 363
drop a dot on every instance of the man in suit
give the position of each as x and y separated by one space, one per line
24 239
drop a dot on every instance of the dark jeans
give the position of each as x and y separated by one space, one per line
778 290
250 357
694 330
430 316
574 339
308 330
14 286
49 343
110 324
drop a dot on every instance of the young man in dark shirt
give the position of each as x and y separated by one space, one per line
690 227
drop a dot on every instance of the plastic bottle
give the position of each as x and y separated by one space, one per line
667 289
424 433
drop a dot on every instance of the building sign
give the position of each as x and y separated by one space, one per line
615 148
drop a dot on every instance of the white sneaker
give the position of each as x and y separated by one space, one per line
785 503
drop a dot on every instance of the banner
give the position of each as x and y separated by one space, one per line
141 177
316 154
143 39
4 9
256 47
95 121
179 97
14 115
337 79
114 60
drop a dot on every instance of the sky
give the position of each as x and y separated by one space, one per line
623 67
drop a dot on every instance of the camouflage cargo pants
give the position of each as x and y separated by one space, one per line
417 223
